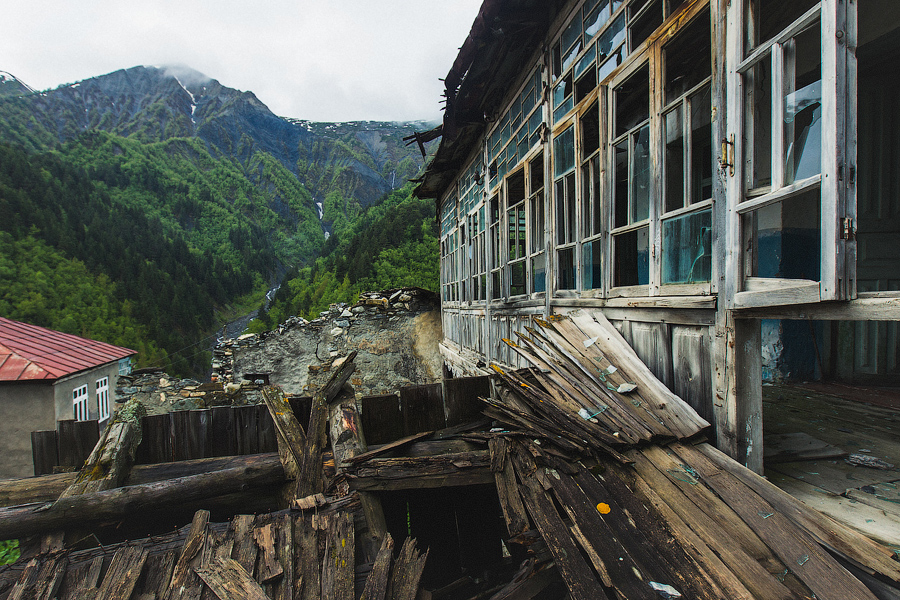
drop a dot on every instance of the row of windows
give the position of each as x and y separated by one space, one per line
80 400
631 160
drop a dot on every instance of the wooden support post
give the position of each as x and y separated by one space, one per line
348 441
738 396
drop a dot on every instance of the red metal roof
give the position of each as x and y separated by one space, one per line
29 352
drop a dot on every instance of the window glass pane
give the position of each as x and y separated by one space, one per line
595 20
688 58
591 265
586 61
611 38
687 248
631 254
539 273
496 291
570 207
758 149
561 211
803 108
621 183
611 63
564 151
633 101
701 146
517 278
566 266
646 23
590 202
590 131
537 223
774 15
586 84
674 159
788 238
640 188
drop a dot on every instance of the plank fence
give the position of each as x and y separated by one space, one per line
239 430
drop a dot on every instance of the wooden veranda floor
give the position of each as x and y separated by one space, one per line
813 435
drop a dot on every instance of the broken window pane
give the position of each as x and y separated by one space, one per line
591 265
688 60
687 248
517 278
631 252
566 268
633 101
803 107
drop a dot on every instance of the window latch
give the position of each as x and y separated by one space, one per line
847 228
726 161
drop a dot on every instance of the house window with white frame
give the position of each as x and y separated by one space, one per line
102 387
80 403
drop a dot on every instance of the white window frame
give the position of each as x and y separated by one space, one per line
80 405
103 408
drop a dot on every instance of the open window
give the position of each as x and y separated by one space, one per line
796 197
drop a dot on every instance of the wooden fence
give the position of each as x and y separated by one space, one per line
238 430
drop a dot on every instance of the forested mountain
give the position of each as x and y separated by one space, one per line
173 197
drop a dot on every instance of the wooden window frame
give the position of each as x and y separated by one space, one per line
81 403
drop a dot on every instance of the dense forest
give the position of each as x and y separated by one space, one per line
395 243
138 213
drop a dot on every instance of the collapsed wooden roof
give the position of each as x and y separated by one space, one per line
603 476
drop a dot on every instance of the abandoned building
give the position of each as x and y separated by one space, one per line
641 202
719 179
47 376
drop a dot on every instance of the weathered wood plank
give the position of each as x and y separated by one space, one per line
244 550
514 514
422 408
308 561
337 565
157 440
579 577
44 451
230 581
123 573
792 544
291 437
269 568
461 398
382 418
222 440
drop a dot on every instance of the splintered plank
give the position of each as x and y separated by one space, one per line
269 567
157 574
123 573
377 581
41 580
291 437
338 563
185 583
407 571
230 581
575 571
507 488
793 545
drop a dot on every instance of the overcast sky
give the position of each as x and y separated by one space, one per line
325 60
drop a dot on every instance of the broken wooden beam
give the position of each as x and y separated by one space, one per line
131 501
389 474
113 456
